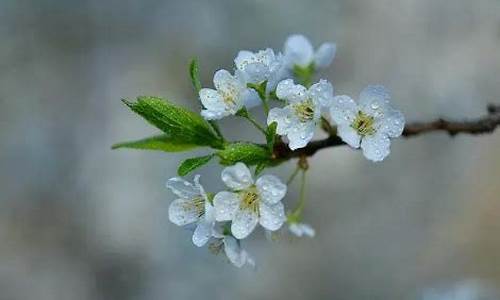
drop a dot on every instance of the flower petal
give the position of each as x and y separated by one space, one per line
374 100
322 92
183 188
392 123
233 251
182 212
271 189
256 72
287 90
244 223
349 135
250 98
202 233
237 177
272 216
324 55
376 147
343 110
300 134
298 51
214 115
282 116
227 83
301 229
225 205
244 58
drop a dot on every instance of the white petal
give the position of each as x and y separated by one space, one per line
392 123
211 99
376 147
256 72
225 205
301 229
182 212
243 59
266 56
298 51
272 216
324 55
287 90
183 188
343 110
214 115
322 92
283 117
250 98
202 233
271 189
244 223
349 135
237 177
233 251
227 83
374 100
300 134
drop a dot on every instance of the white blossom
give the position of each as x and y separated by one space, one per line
298 51
192 207
298 120
369 124
261 66
249 203
238 256
301 229
229 96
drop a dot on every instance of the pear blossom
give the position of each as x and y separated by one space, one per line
238 256
301 229
298 51
229 96
263 65
299 118
192 207
249 203
369 124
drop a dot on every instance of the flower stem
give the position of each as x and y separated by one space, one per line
294 174
302 196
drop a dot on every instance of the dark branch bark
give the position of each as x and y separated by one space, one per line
486 124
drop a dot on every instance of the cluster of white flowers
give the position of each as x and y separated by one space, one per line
369 124
227 217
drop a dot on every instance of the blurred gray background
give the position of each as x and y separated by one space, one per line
79 221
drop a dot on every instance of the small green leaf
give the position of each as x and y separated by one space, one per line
191 164
194 71
249 153
161 142
260 167
271 136
177 122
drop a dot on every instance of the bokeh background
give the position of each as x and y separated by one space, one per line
80 221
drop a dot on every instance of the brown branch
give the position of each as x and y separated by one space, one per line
486 124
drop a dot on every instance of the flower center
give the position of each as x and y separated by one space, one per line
363 124
197 204
229 100
304 110
250 199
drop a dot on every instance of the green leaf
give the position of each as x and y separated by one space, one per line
194 71
249 153
271 136
260 167
178 123
162 142
190 164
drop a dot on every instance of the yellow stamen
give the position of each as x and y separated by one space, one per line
364 124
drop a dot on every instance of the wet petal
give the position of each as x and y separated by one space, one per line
272 216
392 123
214 115
250 98
234 252
202 233
271 189
244 58
182 212
227 83
376 147
324 55
349 135
374 100
322 92
300 134
287 90
343 110
225 205
301 229
282 116
237 177
244 223
298 51
183 188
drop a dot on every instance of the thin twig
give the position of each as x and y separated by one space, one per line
486 124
